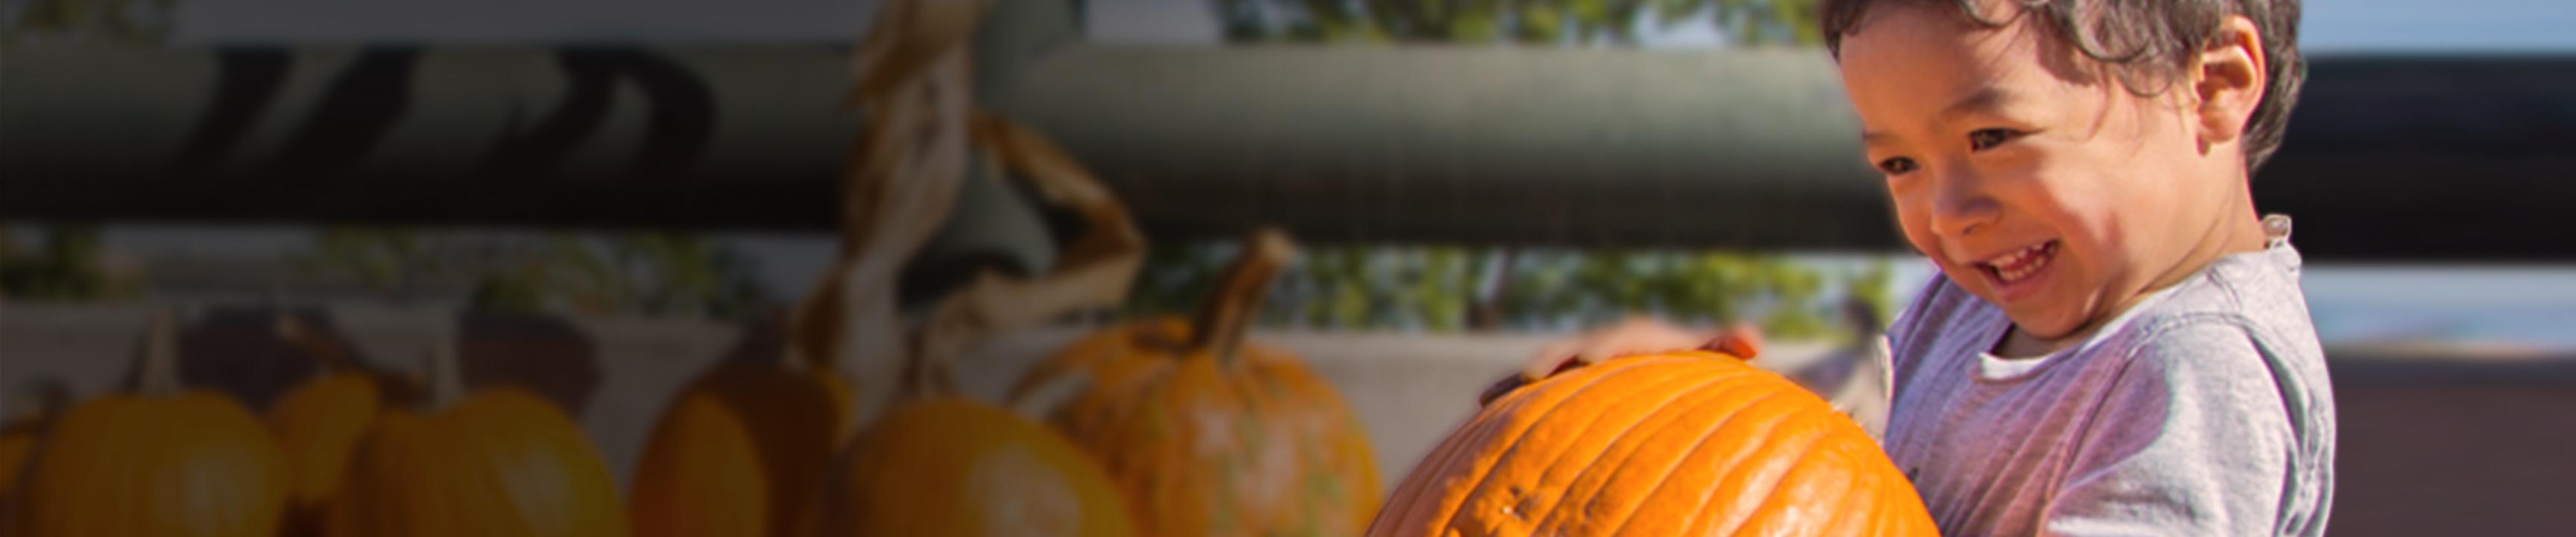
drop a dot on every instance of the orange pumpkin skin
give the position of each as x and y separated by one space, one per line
1686 443
949 466
501 461
194 463
318 423
1252 445
741 452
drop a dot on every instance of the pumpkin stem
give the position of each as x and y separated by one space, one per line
156 370
1228 313
446 377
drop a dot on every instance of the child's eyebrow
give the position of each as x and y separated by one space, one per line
1985 99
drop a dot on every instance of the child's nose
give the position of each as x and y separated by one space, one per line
1960 203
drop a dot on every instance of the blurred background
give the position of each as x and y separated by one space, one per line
627 184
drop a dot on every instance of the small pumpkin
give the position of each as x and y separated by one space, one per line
1210 434
161 460
945 465
1684 443
498 461
742 450
319 422
938 463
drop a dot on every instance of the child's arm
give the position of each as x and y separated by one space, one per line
2192 438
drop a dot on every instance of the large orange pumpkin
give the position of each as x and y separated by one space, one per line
319 422
743 448
1685 443
1212 435
163 460
501 461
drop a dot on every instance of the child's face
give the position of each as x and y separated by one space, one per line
2034 179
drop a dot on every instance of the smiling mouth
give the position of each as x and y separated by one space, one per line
2017 265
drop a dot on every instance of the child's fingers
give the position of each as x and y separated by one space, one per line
1551 358
1741 340
1500 387
1639 335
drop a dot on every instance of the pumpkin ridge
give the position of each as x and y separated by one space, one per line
1664 412
1746 468
1850 493
1583 438
1516 427
1590 482
1737 523
1732 458
1412 481
1444 456
1466 449
1662 474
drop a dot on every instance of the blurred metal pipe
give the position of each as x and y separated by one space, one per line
2390 158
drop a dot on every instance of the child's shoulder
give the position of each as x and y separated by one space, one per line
2255 294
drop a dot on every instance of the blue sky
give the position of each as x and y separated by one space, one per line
2330 25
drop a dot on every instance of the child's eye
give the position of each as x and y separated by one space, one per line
1896 166
1984 139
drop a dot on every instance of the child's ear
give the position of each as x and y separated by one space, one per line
2228 79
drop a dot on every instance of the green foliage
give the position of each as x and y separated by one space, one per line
1532 22
68 265
650 273
1442 288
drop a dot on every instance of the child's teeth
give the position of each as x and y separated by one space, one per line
2019 264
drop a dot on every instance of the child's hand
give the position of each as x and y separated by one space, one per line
1637 335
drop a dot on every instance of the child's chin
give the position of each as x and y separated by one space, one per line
2031 318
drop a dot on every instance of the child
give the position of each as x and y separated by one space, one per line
2118 343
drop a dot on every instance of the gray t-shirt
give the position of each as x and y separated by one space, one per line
2203 410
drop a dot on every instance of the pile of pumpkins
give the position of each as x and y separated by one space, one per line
349 452
1160 427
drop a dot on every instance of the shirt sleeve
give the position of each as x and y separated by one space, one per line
2191 438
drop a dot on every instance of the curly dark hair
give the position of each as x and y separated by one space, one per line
2148 43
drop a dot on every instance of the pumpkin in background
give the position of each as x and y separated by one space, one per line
940 464
32 410
743 448
501 461
945 465
1684 443
161 460
937 463
1209 434
319 422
